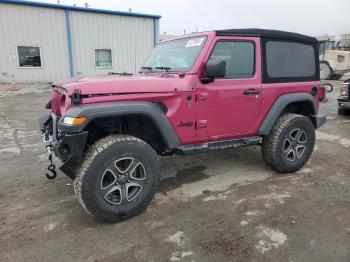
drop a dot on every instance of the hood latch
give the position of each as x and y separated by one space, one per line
76 98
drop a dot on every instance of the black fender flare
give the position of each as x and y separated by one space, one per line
148 109
279 105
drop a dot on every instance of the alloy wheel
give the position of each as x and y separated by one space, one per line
123 180
295 144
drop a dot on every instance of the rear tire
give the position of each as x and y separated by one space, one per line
325 71
290 143
118 178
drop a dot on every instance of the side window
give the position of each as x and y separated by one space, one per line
239 57
29 56
103 58
290 60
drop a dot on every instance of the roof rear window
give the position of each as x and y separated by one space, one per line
290 60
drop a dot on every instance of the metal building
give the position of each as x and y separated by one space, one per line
47 42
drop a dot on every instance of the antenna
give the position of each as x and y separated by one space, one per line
86 5
58 2
130 10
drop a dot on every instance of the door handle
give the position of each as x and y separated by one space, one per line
251 92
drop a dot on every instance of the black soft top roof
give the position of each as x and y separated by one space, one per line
267 34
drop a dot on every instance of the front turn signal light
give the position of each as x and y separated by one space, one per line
74 121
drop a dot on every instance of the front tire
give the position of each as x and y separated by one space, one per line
290 143
118 178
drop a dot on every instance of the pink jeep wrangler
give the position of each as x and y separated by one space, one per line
196 93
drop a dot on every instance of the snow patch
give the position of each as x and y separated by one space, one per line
244 222
49 227
271 238
275 196
178 238
252 213
238 202
220 182
212 198
177 256
305 171
13 149
328 137
344 142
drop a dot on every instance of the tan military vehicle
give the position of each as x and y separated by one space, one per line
334 56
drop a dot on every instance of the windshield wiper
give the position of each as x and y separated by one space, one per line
147 68
165 68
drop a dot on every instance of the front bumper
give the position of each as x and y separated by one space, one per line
343 101
67 147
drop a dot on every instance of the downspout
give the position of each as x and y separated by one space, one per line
155 32
69 43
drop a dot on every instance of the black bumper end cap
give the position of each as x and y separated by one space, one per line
319 120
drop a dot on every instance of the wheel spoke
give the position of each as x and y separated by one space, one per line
137 171
302 138
287 145
294 134
290 155
124 195
133 189
113 195
108 179
300 149
124 164
114 169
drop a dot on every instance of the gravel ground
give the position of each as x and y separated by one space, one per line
221 206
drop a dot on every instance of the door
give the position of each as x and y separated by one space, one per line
230 106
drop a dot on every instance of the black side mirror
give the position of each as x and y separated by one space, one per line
214 69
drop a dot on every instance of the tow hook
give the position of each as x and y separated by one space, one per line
51 167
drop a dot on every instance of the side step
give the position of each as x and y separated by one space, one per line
200 148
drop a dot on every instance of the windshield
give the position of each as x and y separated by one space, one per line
325 45
176 55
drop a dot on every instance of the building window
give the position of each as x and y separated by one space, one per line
239 57
103 58
29 56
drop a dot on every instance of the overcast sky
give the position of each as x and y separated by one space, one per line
312 17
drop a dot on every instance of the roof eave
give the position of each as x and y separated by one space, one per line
81 9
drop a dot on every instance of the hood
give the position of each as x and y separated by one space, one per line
142 83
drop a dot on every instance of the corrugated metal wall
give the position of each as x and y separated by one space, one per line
43 27
130 38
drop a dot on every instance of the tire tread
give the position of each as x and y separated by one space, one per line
93 151
270 147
